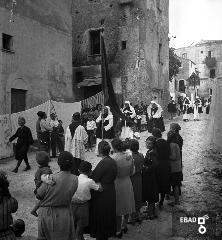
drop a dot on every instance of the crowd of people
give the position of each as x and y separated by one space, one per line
103 201
189 109
124 188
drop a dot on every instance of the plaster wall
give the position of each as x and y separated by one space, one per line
41 60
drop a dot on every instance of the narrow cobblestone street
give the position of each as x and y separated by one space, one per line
202 189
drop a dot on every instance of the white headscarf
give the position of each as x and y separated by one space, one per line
131 109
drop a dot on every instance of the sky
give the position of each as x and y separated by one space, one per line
194 20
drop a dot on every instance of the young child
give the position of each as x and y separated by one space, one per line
136 179
149 180
43 160
91 128
80 200
176 167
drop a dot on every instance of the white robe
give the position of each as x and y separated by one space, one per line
76 145
127 132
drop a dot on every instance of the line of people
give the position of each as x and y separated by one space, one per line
123 182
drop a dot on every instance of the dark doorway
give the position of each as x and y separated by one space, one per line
18 100
181 86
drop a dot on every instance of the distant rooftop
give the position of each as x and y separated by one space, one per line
203 42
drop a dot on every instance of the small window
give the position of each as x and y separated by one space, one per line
201 52
209 54
212 73
95 42
123 45
7 42
211 91
184 55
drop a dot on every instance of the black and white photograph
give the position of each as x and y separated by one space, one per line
110 119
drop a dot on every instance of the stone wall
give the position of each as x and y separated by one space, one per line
143 24
198 53
41 60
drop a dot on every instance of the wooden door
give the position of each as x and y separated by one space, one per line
18 100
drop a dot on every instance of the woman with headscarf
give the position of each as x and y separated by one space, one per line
55 219
187 109
105 130
128 122
24 140
154 112
75 139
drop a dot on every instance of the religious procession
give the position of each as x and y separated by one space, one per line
110 125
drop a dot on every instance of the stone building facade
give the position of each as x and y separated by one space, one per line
137 46
207 55
179 86
35 53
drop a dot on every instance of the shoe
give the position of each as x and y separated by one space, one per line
119 235
15 170
27 168
124 230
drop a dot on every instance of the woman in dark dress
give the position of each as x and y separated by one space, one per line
150 187
25 139
163 168
103 204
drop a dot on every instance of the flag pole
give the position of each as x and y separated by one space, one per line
102 36
102 123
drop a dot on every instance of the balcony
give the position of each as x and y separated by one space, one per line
210 62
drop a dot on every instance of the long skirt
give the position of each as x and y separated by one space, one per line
125 203
102 216
137 189
98 140
196 115
150 187
55 223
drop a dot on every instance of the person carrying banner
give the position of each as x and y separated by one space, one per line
128 122
105 130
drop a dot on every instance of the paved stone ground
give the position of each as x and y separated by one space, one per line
202 188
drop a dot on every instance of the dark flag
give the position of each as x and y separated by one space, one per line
107 87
